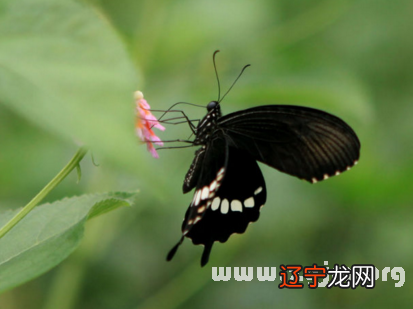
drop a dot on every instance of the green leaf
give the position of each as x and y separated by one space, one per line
48 234
64 68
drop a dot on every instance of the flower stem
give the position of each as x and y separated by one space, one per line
73 163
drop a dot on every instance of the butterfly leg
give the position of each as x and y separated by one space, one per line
191 125
178 140
169 120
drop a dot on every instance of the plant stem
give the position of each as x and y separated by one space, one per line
73 163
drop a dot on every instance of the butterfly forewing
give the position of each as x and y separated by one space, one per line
192 176
303 142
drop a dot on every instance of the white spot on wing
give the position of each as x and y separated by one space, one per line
236 205
205 193
197 197
314 180
197 219
220 174
258 191
249 202
215 203
325 177
201 209
224 206
337 173
213 185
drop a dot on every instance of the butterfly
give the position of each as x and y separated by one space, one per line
230 189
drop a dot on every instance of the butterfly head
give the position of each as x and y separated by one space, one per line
208 124
214 110
211 105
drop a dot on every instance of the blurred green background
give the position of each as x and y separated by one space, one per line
68 70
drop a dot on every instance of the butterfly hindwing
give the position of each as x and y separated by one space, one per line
212 167
228 196
300 141
235 204
205 174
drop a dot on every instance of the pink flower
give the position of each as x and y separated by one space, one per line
145 121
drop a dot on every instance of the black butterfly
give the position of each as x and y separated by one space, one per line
229 187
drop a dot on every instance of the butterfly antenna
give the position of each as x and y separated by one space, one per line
242 71
216 73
